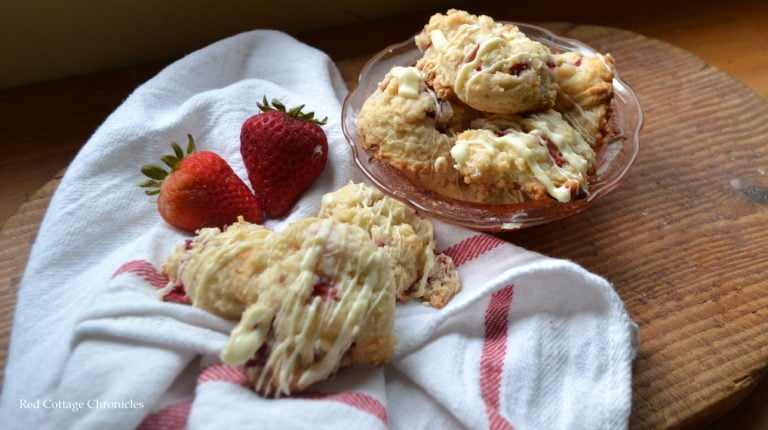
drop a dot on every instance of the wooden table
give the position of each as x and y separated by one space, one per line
680 270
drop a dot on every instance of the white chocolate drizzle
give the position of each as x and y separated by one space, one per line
304 323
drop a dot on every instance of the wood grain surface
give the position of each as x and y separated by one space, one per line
683 239
16 240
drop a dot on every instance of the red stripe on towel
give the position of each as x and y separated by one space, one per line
173 417
493 355
145 270
222 373
471 248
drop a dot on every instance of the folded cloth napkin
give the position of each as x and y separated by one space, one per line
530 342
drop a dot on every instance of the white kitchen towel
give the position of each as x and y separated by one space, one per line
530 342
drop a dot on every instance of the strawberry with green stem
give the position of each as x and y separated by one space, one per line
199 189
284 151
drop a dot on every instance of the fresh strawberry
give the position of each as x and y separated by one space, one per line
200 190
284 152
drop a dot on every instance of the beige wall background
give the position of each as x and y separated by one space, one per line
42 40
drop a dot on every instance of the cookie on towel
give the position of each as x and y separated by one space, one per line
407 239
327 304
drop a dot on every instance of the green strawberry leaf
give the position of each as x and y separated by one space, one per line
177 150
295 112
171 161
190 145
154 171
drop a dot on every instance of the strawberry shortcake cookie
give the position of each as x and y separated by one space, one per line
317 296
585 90
206 266
327 303
407 239
311 299
406 121
540 153
490 66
